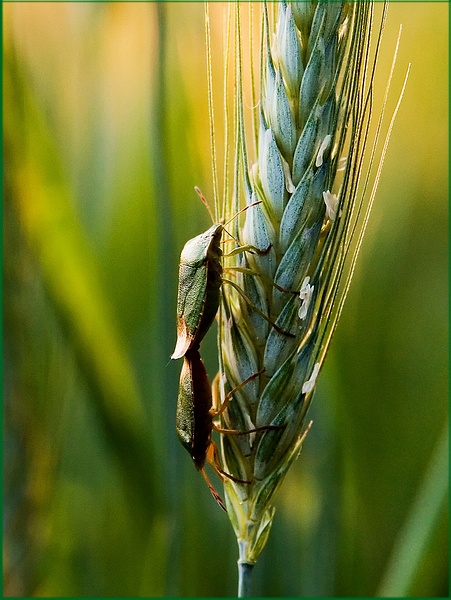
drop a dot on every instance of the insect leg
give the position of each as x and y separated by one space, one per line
245 432
214 493
257 310
248 271
215 412
214 461
246 248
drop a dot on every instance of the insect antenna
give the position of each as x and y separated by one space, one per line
205 203
241 211
234 217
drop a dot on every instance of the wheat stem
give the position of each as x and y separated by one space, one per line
244 579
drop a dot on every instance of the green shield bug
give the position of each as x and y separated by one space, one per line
200 280
195 414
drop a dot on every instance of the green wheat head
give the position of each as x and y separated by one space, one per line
310 131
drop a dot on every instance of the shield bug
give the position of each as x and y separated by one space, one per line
195 414
200 280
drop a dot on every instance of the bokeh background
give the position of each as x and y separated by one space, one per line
105 136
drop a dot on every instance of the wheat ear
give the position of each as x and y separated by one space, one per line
313 118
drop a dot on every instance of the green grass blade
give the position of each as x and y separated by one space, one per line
412 543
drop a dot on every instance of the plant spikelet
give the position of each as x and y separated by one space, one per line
307 210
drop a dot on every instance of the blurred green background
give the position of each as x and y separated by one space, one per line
105 136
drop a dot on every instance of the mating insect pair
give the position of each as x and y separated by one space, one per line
200 280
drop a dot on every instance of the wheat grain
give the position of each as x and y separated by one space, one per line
314 113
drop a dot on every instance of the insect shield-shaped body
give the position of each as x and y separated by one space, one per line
195 414
194 419
200 277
